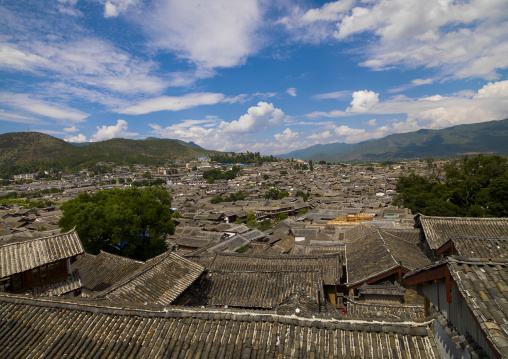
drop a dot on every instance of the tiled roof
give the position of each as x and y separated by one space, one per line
477 247
22 256
329 264
439 230
264 289
100 271
81 329
382 289
159 281
484 287
377 253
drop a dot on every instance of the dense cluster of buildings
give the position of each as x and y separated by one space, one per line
339 273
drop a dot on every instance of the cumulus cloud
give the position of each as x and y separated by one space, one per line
257 118
76 139
70 129
173 103
435 112
372 122
363 101
211 34
286 136
494 90
56 111
320 135
291 91
108 132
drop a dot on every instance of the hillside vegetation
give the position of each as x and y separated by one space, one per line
29 151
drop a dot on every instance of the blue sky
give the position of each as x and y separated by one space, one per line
269 76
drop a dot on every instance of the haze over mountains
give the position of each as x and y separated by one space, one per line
32 147
486 137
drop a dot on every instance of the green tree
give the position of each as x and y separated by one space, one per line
471 186
251 219
130 222
311 167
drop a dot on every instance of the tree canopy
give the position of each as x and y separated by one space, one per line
470 187
130 222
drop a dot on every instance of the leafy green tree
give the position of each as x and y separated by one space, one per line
265 224
302 194
311 167
275 193
251 219
265 177
130 222
472 187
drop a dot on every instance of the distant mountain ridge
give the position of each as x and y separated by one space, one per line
486 137
21 148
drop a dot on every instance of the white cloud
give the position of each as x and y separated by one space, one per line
219 33
286 136
202 132
435 112
76 139
257 118
70 129
461 39
108 132
35 106
372 122
173 103
110 10
314 25
363 101
418 82
334 113
113 8
291 91
494 90
338 95
320 136
14 117
414 83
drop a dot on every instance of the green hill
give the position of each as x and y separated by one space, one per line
486 137
31 149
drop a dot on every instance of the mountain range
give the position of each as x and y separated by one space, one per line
22 148
32 148
486 137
